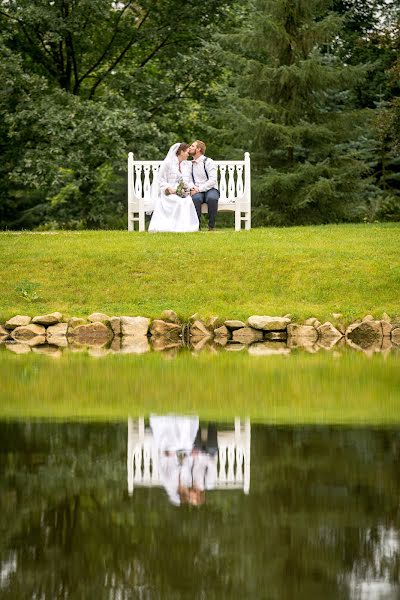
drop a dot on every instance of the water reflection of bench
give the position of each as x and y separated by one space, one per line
233 470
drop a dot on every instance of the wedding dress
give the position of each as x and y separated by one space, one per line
171 212
172 435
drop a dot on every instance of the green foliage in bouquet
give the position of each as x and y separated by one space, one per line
182 189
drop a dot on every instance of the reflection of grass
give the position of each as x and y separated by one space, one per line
299 389
306 271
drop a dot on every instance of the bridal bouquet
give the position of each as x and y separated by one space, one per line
182 189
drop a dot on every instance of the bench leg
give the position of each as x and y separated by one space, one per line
142 226
238 223
133 218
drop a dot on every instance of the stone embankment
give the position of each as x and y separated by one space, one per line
262 335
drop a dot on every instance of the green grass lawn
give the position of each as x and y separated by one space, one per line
304 271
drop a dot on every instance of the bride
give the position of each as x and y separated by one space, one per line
173 212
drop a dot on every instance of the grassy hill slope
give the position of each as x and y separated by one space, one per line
304 271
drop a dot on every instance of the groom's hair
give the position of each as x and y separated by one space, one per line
201 146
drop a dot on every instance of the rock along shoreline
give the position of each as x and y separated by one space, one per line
261 334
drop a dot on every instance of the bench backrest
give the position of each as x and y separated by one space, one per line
233 178
233 465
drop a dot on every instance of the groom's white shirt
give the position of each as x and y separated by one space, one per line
198 176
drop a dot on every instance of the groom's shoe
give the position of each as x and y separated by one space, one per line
211 229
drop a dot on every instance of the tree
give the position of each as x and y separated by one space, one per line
295 111
86 82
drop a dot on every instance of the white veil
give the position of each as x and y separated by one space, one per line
171 156
170 159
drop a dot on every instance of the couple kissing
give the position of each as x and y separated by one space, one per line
184 186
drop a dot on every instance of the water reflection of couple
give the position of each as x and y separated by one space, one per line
187 465
184 187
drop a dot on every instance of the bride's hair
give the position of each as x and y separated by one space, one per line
182 147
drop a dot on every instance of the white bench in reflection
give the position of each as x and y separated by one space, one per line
233 469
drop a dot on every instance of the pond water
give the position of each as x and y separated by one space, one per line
200 475
316 515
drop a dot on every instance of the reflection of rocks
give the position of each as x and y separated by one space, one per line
98 351
17 321
37 340
163 328
302 334
138 326
247 335
75 346
134 344
268 349
52 351
27 332
56 335
327 343
50 319
116 344
232 347
221 333
365 345
200 343
18 348
386 345
160 344
303 343
166 333
276 335
93 334
115 323
58 340
386 328
328 335
4 333
268 323
395 336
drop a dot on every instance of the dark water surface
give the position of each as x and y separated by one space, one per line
319 516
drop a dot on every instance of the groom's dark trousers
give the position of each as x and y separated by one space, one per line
211 199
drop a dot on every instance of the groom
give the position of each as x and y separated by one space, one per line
203 184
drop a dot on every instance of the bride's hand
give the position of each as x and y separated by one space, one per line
170 190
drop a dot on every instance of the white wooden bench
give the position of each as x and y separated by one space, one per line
233 182
233 469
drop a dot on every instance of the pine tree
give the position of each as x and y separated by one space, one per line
291 107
